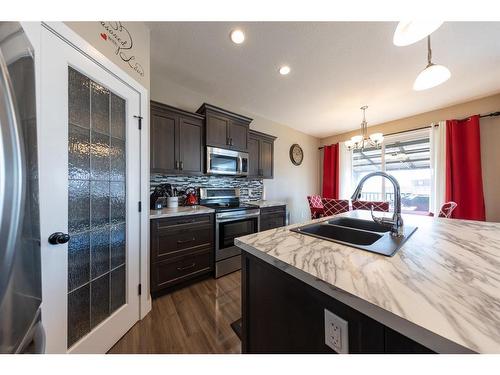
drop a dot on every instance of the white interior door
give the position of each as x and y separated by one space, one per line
89 188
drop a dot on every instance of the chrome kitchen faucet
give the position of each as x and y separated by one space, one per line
396 223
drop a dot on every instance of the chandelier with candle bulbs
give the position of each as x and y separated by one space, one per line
362 141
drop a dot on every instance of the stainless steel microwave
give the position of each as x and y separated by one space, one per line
226 162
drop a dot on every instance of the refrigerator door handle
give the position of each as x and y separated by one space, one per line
12 177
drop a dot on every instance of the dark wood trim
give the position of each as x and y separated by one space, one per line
162 106
262 135
209 107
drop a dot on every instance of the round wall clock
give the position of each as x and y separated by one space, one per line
296 154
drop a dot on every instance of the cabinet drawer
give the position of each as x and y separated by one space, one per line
182 221
273 210
172 241
272 217
173 271
272 221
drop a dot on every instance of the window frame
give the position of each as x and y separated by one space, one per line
390 139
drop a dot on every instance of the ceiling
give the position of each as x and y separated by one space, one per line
336 68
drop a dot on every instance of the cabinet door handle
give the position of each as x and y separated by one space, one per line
177 164
182 165
180 242
185 222
231 141
186 267
227 141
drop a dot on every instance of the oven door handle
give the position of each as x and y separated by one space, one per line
233 218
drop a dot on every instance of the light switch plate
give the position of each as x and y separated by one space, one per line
336 333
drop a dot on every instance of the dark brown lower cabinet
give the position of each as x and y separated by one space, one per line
272 217
182 250
281 314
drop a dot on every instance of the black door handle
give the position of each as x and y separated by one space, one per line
58 238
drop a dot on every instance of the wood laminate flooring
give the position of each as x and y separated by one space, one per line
196 319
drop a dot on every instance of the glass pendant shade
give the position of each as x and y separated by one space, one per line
431 76
377 138
349 144
409 32
356 139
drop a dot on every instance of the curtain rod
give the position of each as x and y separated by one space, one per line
493 114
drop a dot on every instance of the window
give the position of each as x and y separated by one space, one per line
407 157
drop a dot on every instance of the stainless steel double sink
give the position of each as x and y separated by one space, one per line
361 234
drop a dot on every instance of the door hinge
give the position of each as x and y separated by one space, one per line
140 121
139 289
140 206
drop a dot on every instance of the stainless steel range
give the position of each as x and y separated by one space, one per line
232 219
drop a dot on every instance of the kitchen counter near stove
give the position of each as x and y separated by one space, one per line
266 203
180 211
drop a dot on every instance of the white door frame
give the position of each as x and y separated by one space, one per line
34 32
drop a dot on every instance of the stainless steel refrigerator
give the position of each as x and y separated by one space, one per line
21 330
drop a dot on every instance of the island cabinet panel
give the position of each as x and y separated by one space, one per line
177 141
289 317
260 155
182 249
272 217
225 129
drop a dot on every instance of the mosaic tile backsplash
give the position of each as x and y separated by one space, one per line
250 189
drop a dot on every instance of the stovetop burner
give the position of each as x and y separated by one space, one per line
223 207
223 199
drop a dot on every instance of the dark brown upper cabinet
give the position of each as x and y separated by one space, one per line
225 129
176 141
260 155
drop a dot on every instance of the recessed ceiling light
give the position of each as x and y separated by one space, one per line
237 36
284 70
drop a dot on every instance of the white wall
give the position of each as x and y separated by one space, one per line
291 183
132 55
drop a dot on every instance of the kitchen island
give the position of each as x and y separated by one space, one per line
439 293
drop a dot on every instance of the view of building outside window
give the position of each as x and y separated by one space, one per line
406 156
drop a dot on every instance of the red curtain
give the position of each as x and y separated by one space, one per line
464 180
331 171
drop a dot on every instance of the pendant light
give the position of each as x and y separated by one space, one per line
433 74
409 32
359 142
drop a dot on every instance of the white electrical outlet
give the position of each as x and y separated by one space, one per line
336 333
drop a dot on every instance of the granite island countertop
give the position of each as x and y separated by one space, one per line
179 211
441 289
